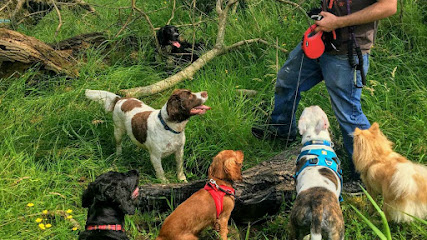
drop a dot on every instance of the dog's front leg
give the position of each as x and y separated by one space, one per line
156 160
223 228
179 157
223 224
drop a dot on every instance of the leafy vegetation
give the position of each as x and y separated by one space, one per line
51 147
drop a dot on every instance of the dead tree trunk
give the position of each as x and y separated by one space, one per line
263 190
19 52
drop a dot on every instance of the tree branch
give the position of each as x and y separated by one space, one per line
59 17
189 71
1 9
173 12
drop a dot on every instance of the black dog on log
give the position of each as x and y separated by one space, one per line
109 198
171 44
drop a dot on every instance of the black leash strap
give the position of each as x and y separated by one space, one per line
352 43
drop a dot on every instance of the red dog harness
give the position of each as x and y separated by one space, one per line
115 227
218 193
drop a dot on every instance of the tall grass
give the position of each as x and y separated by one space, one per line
51 147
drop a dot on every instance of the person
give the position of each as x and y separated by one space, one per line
333 66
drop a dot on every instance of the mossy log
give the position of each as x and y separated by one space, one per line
19 52
265 187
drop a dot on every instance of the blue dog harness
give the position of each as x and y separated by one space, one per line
325 158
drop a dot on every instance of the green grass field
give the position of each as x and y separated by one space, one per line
50 149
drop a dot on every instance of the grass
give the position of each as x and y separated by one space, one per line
50 149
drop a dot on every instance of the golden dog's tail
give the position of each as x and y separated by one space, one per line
403 182
105 98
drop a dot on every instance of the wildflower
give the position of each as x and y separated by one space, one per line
48 225
41 226
39 220
45 212
30 204
226 71
69 211
69 216
74 228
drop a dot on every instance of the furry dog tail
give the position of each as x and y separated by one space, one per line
108 99
403 182
316 224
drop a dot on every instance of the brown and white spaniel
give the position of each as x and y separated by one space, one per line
160 131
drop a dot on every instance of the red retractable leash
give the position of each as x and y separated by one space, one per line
312 43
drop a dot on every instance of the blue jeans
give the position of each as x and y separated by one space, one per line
339 79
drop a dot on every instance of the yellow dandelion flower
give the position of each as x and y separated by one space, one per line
48 225
74 228
69 211
69 216
30 204
45 212
41 226
39 220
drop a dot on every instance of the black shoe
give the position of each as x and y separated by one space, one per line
266 134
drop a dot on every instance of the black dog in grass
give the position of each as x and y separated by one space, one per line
109 198
171 44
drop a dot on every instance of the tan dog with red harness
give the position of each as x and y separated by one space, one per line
210 206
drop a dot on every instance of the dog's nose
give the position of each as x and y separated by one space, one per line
204 94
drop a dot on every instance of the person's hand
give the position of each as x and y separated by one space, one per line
328 23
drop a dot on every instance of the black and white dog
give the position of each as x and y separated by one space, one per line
170 42
109 198
316 210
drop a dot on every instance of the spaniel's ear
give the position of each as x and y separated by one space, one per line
240 156
160 36
216 169
123 196
89 195
229 164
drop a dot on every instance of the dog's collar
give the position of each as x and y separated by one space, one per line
319 142
326 157
165 125
112 227
218 192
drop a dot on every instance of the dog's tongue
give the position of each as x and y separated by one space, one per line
135 193
176 44
200 109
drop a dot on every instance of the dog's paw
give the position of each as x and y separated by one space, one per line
182 178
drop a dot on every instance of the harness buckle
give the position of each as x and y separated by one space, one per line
214 183
328 162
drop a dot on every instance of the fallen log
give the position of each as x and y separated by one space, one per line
19 52
265 187
75 45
